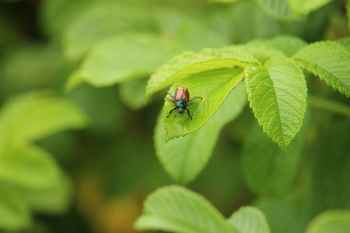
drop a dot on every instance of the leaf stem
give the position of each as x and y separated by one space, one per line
329 105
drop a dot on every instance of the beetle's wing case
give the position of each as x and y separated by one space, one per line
186 95
182 93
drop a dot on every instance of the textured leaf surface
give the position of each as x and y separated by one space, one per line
132 93
328 60
249 220
35 115
335 221
279 9
279 46
101 24
344 42
29 167
306 6
188 63
125 58
332 163
213 86
183 158
279 216
14 213
268 169
177 209
277 94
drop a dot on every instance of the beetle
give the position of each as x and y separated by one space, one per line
181 100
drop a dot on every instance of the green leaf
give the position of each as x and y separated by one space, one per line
268 169
103 23
125 58
328 60
213 86
132 93
74 80
29 167
54 199
279 9
335 221
177 209
279 46
195 36
183 158
277 94
306 6
249 220
279 216
14 213
261 50
331 169
247 21
188 63
287 44
55 16
344 42
35 115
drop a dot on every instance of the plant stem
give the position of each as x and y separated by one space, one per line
329 105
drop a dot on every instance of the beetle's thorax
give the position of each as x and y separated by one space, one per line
180 104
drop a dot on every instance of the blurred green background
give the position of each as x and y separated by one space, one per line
81 158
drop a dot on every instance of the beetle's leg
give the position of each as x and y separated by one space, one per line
170 99
176 115
171 112
195 98
188 112
188 104
171 95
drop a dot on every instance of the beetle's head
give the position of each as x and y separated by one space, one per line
180 110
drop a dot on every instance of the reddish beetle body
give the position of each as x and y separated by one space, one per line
181 93
181 98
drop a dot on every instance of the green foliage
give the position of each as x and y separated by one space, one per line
277 46
183 158
132 93
333 156
273 173
128 49
279 9
182 66
280 216
29 167
33 174
329 61
106 22
249 220
335 221
14 213
344 42
55 198
33 116
177 209
114 61
213 86
277 95
306 6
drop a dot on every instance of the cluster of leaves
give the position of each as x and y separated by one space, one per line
178 209
30 178
125 43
